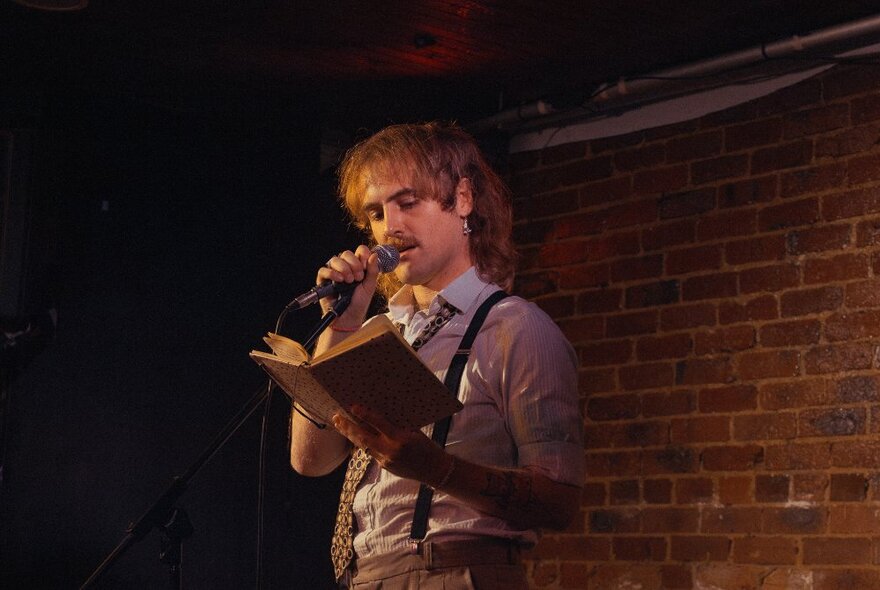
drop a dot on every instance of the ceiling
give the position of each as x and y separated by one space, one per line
395 59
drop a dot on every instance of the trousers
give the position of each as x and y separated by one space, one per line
480 564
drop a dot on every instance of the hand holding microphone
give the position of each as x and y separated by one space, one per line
348 270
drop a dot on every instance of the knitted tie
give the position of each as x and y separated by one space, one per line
341 550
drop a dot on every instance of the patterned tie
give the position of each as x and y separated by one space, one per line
341 550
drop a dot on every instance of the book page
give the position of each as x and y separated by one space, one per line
287 348
299 385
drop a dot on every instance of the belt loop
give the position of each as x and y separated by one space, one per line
428 555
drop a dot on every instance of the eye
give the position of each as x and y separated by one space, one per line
408 204
374 214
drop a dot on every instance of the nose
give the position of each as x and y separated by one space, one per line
392 223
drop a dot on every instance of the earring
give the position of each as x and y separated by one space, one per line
465 229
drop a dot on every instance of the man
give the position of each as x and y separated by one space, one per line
513 461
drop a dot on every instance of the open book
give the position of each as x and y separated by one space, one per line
374 367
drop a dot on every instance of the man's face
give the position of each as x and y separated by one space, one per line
433 250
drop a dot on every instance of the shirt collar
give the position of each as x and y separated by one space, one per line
461 293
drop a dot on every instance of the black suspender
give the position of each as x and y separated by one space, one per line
441 428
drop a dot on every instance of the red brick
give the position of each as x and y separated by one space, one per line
693 259
667 403
660 180
787 457
639 548
752 134
791 333
600 300
724 575
606 352
572 548
850 141
626 434
863 293
687 204
676 577
628 214
699 548
693 146
837 268
788 155
557 307
731 520
593 494
765 426
702 429
747 192
764 365
793 394
809 487
820 239
657 491
641 267
790 214
733 398
694 490
631 324
669 234
849 487
864 169
645 156
815 179
624 491
813 121
699 371
772 488
810 301
605 191
652 348
719 168
757 249
856 454
836 422
533 232
731 339
556 254
653 294
794 520
854 519
583 276
837 551
736 489
853 326
687 316
673 459
855 203
617 407
646 376
856 389
533 285
849 80
572 226
670 520
763 307
624 243
623 520
769 278
765 550
732 458
546 205
712 286
726 224
840 357
865 108
601 381
846 579
618 464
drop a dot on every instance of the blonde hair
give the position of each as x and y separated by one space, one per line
435 157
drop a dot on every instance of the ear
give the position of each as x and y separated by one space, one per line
464 198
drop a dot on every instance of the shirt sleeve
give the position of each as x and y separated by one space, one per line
540 393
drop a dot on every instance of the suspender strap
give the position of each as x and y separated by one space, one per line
441 428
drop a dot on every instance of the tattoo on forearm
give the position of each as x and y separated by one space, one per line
510 490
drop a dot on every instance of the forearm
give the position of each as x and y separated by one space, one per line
521 496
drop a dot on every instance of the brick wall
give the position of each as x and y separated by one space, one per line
720 280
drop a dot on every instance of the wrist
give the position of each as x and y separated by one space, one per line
445 473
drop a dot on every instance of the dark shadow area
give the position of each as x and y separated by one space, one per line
168 241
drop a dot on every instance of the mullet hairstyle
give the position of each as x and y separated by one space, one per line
435 157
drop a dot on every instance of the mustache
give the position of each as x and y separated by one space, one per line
401 243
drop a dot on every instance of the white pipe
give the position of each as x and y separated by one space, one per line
627 92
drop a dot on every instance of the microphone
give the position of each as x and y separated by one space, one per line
389 258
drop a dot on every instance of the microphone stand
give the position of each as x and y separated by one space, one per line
173 521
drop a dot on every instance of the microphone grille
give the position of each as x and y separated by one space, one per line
388 256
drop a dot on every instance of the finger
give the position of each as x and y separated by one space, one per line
375 421
357 434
